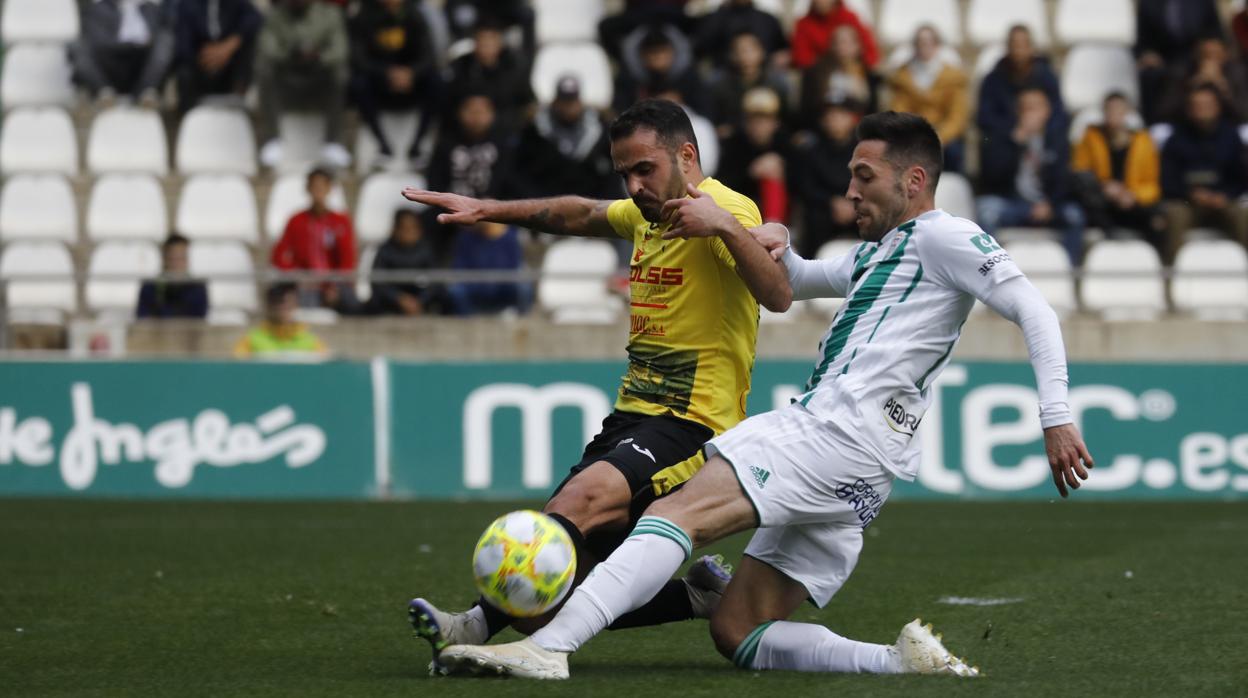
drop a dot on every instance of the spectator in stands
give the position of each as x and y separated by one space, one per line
392 67
753 159
819 175
813 33
1203 175
640 14
660 63
566 149
1021 68
170 298
488 247
935 87
1118 174
732 17
318 239
494 70
406 250
472 156
125 49
1210 63
1025 175
216 45
280 335
464 16
747 69
302 63
841 70
1166 31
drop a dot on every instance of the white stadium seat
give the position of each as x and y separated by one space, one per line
900 18
289 196
1107 21
380 197
567 20
988 21
127 206
1047 265
579 300
36 75
1211 279
39 20
218 207
128 139
585 60
38 207
303 136
400 128
1092 71
364 287
39 139
43 299
227 266
135 260
904 53
216 140
954 195
1122 280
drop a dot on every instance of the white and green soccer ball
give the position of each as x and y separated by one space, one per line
524 563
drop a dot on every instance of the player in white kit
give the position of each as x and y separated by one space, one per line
812 476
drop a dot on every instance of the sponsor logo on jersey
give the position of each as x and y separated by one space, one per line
863 498
900 419
993 261
760 476
640 324
659 276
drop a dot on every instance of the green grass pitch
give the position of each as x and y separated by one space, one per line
189 598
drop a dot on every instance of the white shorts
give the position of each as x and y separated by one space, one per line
814 492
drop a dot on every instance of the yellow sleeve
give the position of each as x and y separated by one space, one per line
744 210
623 215
1144 171
1081 160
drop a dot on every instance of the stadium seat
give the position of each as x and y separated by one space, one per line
289 196
1092 71
38 207
903 53
128 139
1105 21
900 18
832 249
303 136
1047 265
38 139
954 195
216 140
137 260
379 198
400 128
585 60
39 20
708 142
127 206
989 21
364 265
218 207
42 300
1122 280
36 75
1211 279
227 266
567 20
579 300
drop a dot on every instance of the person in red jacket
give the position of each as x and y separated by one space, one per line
813 33
318 239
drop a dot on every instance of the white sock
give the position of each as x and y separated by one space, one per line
476 630
810 647
630 577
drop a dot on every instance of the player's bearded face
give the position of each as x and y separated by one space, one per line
876 191
651 172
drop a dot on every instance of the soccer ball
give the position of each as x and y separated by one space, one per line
524 563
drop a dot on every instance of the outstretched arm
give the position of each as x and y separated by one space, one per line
809 278
561 215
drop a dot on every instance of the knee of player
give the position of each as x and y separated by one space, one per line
728 633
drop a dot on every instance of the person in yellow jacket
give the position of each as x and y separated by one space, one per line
931 85
279 334
1120 184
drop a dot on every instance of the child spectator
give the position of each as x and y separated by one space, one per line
173 298
318 239
405 250
280 335
753 160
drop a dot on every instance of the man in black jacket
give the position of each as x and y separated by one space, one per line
216 44
818 174
125 49
405 250
565 150
187 298
1166 32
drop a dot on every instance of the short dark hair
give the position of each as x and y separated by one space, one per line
320 172
401 213
908 140
175 239
278 292
1205 86
1116 94
666 118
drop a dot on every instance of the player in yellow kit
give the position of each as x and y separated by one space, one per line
693 326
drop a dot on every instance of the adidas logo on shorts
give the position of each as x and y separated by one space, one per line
760 476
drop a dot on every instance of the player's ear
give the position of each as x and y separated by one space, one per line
688 156
916 180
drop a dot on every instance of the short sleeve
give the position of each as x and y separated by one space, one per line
746 212
622 215
969 260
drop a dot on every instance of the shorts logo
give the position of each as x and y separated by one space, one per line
645 452
760 476
900 419
865 501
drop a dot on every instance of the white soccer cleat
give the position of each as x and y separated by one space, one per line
441 629
523 659
920 652
706 581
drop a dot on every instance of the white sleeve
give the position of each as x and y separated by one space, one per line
818 278
968 260
1020 302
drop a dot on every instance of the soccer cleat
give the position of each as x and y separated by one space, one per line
441 629
920 652
706 581
524 659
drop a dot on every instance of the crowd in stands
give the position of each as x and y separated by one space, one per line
774 107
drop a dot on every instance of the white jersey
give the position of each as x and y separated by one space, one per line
907 297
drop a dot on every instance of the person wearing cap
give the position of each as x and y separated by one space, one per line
819 174
565 149
753 159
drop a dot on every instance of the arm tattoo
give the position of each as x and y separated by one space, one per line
546 221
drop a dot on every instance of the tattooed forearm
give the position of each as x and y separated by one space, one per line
547 221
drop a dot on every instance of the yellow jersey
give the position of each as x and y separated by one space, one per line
693 323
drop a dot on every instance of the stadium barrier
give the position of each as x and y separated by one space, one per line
384 429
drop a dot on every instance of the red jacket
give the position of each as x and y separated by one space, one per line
813 32
318 243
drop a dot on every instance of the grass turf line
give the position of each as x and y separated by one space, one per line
193 598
